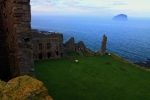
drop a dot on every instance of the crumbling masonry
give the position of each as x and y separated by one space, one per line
103 46
15 39
47 46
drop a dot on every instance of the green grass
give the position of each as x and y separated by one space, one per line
72 54
85 54
93 79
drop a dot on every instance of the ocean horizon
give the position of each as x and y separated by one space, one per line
129 39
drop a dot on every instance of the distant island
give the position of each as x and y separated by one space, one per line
120 17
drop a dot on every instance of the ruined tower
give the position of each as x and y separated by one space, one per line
16 56
103 46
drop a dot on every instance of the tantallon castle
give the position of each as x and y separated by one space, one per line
20 45
48 45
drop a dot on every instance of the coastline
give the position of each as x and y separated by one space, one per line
146 64
123 36
139 65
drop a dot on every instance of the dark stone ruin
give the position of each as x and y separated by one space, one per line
47 46
103 46
70 45
15 39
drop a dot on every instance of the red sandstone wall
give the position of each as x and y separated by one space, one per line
16 18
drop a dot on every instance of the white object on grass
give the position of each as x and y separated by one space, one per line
76 61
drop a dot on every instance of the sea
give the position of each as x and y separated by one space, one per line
129 39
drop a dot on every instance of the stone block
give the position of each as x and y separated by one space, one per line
23 88
26 7
17 11
26 19
27 53
2 84
24 68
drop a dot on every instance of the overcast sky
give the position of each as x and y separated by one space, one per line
133 8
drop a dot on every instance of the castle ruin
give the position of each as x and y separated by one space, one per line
46 46
20 46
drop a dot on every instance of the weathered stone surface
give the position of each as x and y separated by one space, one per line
47 45
79 52
15 17
103 46
70 45
77 47
23 88
80 45
2 84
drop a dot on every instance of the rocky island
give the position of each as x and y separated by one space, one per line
120 17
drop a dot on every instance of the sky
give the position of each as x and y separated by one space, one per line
103 8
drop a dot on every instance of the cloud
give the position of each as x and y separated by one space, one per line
71 3
85 6
81 7
49 4
42 3
119 3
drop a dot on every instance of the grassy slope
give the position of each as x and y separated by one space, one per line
93 79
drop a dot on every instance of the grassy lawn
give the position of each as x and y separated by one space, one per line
93 78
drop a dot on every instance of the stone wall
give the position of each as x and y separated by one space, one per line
70 45
46 46
79 47
16 17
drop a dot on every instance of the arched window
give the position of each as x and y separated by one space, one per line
40 46
57 53
48 55
61 54
40 56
